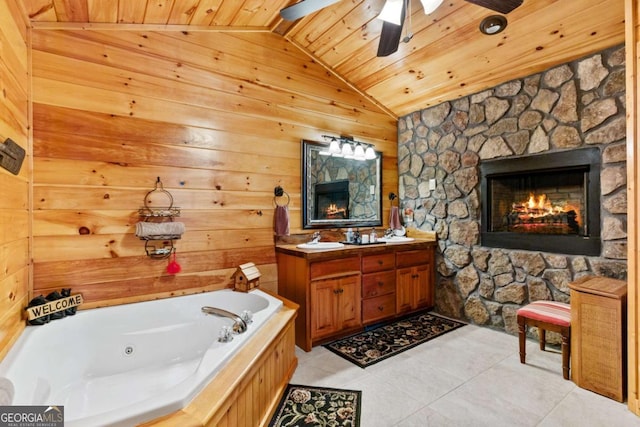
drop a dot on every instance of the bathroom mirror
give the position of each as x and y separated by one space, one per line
338 191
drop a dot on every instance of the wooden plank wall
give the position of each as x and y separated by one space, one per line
14 189
632 25
218 116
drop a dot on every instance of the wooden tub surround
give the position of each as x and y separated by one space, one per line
247 391
340 291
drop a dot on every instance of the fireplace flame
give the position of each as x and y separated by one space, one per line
333 209
538 206
539 211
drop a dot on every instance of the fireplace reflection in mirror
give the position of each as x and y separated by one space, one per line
332 200
548 202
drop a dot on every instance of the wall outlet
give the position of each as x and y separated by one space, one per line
432 184
372 190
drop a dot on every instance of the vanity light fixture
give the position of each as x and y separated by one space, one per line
493 24
348 148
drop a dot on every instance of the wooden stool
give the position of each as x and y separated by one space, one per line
547 316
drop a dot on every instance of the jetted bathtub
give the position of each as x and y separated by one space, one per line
131 363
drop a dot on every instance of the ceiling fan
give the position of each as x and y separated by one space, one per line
391 32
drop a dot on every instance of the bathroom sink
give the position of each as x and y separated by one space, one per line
396 239
321 245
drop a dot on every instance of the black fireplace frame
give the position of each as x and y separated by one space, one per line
587 159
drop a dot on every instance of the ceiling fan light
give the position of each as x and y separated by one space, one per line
430 5
392 12
369 154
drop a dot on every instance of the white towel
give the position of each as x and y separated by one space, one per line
151 229
6 391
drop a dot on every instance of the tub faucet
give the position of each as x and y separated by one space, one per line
239 325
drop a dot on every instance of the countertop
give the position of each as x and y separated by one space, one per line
354 250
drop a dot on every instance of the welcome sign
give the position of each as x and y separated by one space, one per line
54 306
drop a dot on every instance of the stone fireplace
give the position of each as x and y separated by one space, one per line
557 113
545 202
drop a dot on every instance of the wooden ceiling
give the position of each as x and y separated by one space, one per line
447 57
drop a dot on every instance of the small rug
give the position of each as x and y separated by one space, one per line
303 405
369 347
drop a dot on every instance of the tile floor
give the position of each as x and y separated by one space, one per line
472 377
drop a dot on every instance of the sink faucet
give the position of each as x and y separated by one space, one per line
315 238
239 325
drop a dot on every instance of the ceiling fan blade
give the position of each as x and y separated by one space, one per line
304 8
390 36
501 6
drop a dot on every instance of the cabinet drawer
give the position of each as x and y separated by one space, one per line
373 263
378 308
377 284
410 258
335 267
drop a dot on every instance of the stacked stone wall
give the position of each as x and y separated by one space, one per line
571 106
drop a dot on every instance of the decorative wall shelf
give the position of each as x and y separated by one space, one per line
157 228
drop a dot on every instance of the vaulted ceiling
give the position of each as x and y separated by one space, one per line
447 57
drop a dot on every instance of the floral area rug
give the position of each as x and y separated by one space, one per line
317 406
382 342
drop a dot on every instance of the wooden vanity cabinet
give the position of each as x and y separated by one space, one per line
414 280
339 292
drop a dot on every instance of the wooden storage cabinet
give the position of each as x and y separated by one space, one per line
598 335
414 280
335 305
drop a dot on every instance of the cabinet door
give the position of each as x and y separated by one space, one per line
324 316
423 289
404 289
348 301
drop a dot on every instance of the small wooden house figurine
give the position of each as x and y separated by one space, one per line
246 277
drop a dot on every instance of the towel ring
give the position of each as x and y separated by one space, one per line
279 192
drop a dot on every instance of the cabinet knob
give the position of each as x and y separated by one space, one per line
336 291
381 308
381 284
379 262
373 294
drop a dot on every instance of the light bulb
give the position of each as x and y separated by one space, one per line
370 154
347 151
358 154
334 147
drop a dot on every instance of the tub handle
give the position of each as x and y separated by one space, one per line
239 325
